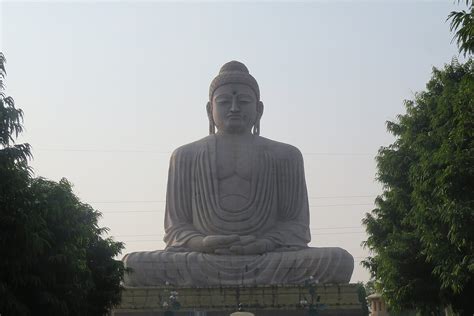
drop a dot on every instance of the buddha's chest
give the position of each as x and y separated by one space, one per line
235 164
234 160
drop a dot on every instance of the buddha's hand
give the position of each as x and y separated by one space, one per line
242 241
214 243
230 244
211 243
255 247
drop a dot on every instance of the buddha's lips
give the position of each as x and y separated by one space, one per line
234 116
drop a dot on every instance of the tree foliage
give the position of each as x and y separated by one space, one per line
362 295
462 22
421 233
54 258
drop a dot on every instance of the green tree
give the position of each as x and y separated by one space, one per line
421 234
16 225
462 22
362 294
54 258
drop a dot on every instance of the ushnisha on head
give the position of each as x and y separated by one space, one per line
234 105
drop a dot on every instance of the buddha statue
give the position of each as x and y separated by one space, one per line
237 208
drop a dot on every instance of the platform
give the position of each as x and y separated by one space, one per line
281 300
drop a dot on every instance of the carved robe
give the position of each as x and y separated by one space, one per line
277 210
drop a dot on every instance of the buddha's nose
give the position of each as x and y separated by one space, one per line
235 106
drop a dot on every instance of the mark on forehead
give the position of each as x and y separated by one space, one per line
234 92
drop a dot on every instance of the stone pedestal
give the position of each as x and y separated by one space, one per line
282 300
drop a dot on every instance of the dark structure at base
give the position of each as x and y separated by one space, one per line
284 300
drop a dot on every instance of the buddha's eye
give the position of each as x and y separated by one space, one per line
223 102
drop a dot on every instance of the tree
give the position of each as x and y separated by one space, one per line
421 233
463 23
362 294
16 225
54 258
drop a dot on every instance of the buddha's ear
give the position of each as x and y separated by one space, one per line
209 109
260 108
212 125
256 126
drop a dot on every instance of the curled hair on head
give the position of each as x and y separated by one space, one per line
234 72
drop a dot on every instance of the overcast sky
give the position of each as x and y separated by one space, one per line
110 89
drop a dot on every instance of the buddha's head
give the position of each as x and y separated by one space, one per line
234 105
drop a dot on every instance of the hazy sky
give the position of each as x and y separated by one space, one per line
109 89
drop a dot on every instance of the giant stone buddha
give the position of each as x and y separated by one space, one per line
237 206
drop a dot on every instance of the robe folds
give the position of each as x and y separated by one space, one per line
277 210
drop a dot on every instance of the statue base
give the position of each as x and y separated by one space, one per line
278 300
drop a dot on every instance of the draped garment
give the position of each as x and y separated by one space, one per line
277 210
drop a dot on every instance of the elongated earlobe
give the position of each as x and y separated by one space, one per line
256 126
212 125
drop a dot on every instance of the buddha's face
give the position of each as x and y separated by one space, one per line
235 108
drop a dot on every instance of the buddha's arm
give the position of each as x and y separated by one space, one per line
292 227
179 230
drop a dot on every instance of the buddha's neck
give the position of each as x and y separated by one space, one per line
246 136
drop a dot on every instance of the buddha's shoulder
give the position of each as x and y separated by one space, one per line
191 148
279 149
